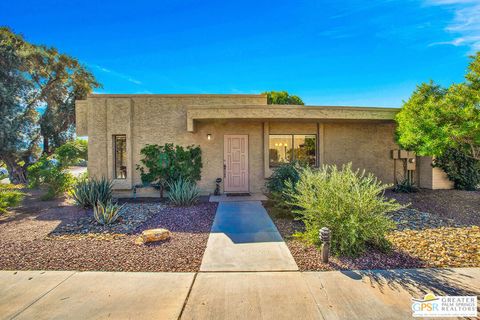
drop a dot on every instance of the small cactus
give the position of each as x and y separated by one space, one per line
106 214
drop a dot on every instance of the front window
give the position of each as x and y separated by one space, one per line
305 149
120 151
280 149
287 148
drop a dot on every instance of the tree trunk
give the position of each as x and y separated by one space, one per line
16 173
46 146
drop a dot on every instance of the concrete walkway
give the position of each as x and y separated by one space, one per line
244 238
226 295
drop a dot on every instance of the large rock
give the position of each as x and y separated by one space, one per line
153 235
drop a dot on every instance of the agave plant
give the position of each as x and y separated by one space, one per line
88 192
106 214
183 192
405 185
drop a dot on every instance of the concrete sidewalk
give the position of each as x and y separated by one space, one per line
322 295
244 238
92 295
231 295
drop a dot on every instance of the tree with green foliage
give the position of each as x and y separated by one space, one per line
436 120
34 77
18 115
163 165
52 174
282 97
462 170
72 152
62 80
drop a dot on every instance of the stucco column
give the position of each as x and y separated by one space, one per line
321 143
266 164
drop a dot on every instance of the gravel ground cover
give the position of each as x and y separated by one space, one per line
41 238
441 247
412 219
422 239
461 206
132 216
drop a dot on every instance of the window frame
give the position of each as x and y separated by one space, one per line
115 136
292 135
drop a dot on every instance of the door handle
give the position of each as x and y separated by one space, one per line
224 170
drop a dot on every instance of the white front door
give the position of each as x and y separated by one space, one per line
236 163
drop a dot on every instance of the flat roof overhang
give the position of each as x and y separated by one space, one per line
287 112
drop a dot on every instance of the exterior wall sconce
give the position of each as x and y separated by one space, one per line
209 137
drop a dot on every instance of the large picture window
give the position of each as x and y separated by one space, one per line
120 152
285 148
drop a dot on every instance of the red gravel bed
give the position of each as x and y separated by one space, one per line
25 245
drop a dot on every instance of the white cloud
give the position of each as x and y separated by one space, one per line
134 81
117 74
103 69
465 26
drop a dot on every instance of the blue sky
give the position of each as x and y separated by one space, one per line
369 53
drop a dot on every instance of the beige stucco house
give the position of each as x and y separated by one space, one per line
241 137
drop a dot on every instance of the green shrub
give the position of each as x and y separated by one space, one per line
88 192
276 185
463 170
282 174
350 203
106 213
183 192
10 196
165 164
72 152
405 185
49 173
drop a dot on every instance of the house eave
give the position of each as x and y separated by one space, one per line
287 112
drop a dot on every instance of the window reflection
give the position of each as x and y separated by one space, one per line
288 148
305 149
120 150
280 149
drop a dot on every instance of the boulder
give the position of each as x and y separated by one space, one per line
153 235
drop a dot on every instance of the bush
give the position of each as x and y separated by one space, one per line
276 185
88 192
283 173
10 196
350 203
50 173
463 170
183 192
165 164
72 152
405 185
106 213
